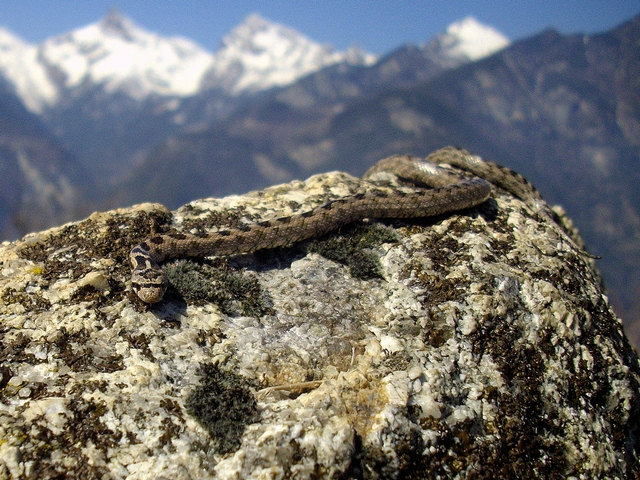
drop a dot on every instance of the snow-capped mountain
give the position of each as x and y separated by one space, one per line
111 90
259 54
463 41
121 56
20 66
113 52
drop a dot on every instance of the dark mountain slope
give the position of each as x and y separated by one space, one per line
41 184
260 143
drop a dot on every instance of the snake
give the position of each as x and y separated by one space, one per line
445 192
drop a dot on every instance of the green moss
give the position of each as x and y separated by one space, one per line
351 247
224 405
235 292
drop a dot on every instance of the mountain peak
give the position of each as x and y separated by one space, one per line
463 41
121 56
259 54
257 33
114 22
255 21
472 39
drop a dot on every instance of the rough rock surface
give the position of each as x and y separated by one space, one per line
472 345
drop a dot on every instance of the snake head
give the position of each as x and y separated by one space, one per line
149 284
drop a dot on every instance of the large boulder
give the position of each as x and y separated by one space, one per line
478 344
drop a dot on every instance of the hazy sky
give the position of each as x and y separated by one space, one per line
377 26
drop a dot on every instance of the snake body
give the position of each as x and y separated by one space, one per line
449 193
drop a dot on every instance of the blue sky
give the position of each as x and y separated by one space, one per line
377 26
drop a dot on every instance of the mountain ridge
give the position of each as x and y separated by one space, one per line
259 54
181 68
117 90
114 52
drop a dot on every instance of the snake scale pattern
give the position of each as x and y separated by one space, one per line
449 193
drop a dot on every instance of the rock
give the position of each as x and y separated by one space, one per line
476 344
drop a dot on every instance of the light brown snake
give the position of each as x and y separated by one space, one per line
449 193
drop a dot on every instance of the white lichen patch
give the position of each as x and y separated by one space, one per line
485 345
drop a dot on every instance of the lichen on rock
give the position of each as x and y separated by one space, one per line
475 344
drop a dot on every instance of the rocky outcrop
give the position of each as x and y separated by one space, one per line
477 344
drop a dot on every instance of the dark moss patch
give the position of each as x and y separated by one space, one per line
594 385
32 302
226 219
444 290
170 430
88 293
454 451
191 209
436 331
5 376
139 342
407 462
568 278
79 357
444 251
87 424
172 407
90 386
82 427
351 245
501 248
90 239
224 405
235 292
528 428
12 349
69 252
209 337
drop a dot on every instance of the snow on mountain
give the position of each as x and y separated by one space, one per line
123 57
259 54
465 40
19 65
